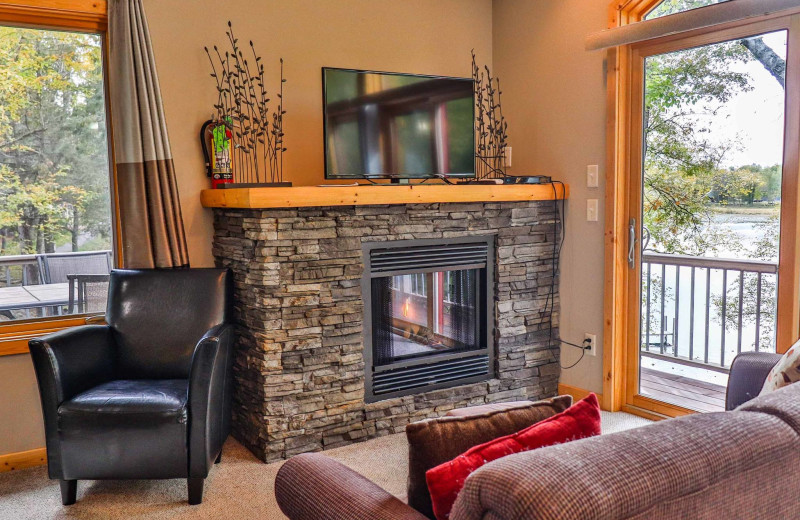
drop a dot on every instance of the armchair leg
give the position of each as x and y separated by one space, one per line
195 490
219 458
69 491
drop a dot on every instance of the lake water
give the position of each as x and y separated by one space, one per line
692 329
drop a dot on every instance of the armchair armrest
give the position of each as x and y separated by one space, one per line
67 363
748 373
210 398
73 360
315 487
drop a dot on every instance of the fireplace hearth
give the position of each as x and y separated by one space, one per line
426 314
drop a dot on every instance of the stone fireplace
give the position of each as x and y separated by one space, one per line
307 372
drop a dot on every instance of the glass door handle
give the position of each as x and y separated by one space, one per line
632 243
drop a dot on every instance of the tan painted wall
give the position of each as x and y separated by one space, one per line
416 36
554 101
20 412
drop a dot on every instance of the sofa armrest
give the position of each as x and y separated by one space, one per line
67 363
315 487
748 373
210 396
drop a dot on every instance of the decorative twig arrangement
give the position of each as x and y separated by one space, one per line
243 105
490 152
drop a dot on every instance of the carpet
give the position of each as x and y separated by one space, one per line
240 487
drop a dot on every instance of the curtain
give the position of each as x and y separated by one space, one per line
151 225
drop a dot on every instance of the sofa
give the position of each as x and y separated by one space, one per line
741 463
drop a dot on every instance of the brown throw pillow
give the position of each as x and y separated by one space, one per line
436 441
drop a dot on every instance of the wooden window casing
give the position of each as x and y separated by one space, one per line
67 15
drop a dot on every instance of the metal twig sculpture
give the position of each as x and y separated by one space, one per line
244 106
492 129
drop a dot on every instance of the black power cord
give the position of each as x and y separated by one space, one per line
558 244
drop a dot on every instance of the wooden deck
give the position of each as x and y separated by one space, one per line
682 391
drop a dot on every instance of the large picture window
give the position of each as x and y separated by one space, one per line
55 205
58 219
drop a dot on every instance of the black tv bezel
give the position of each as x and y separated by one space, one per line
466 175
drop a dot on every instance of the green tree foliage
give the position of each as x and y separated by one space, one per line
54 182
680 158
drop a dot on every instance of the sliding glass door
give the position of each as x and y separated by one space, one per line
712 210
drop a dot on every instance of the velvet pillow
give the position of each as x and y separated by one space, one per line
785 372
435 441
446 480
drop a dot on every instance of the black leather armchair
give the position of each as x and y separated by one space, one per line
147 396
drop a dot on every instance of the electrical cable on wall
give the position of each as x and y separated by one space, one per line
558 243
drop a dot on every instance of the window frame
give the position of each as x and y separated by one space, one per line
89 16
623 117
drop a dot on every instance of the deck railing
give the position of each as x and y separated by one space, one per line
703 311
18 269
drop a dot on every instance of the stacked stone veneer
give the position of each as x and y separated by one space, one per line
299 367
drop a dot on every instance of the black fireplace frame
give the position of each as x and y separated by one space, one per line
476 365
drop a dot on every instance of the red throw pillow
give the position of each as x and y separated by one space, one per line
576 422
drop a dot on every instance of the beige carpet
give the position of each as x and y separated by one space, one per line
239 487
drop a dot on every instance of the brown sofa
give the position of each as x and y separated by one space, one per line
739 464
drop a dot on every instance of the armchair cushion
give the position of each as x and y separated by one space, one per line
126 429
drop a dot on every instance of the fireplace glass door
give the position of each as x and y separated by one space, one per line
425 313
429 314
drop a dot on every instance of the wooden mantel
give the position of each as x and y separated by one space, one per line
316 196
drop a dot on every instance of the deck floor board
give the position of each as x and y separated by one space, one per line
683 391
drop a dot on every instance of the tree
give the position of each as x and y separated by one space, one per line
740 185
680 157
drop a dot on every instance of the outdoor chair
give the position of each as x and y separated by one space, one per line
86 273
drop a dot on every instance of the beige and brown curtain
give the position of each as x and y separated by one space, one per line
149 208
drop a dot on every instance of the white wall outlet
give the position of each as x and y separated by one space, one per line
508 157
592 340
592 210
592 176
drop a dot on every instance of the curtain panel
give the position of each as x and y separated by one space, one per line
151 225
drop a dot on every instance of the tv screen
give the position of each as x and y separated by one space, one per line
386 125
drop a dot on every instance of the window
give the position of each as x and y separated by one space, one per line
56 214
676 6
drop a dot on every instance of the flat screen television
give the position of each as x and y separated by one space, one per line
381 125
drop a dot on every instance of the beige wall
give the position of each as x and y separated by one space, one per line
20 412
417 36
554 101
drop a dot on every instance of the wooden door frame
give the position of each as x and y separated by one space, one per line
624 95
